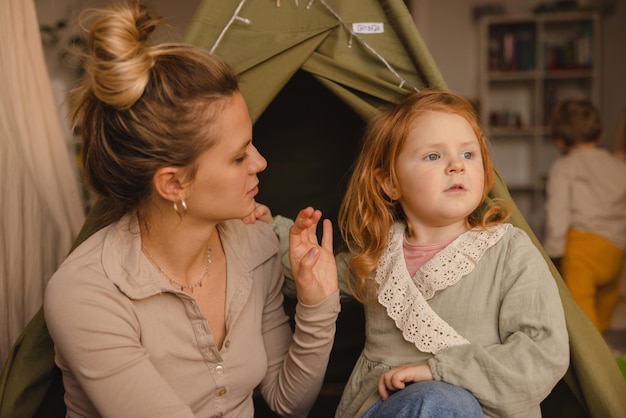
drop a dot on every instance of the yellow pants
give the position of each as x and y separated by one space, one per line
592 268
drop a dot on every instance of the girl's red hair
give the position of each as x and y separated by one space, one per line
367 213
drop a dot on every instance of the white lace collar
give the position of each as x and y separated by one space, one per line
406 298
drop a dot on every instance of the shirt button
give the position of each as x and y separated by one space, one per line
222 392
219 369
227 343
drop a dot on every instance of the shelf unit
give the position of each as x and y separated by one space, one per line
528 63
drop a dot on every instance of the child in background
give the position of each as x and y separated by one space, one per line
460 306
586 211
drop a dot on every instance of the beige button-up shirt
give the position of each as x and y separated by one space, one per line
129 345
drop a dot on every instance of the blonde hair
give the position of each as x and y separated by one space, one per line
576 121
367 213
141 106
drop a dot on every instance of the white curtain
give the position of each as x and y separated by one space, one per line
40 202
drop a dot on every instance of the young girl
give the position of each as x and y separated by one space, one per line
460 306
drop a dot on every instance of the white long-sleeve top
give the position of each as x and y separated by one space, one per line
586 191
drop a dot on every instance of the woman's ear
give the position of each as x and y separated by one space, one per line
384 179
168 183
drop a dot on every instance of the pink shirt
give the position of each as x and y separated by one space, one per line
416 255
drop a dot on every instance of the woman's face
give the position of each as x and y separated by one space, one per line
226 181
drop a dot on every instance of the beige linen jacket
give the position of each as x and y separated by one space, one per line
503 301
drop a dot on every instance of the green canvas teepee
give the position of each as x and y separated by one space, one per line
313 72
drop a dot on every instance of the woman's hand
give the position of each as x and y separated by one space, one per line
261 213
313 266
396 379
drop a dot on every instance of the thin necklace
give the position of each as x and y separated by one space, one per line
174 282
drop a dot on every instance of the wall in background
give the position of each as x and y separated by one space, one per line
178 12
452 37
59 20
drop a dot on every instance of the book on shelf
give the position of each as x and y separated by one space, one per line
575 53
512 48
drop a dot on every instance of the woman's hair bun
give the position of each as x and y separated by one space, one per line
120 59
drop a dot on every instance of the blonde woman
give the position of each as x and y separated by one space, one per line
175 309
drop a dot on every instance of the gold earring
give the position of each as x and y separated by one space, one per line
182 210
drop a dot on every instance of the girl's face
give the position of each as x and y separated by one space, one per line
440 171
226 181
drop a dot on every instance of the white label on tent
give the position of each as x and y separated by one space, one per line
368 27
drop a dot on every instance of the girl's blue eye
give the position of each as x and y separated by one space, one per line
467 155
432 157
241 159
